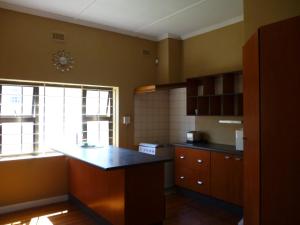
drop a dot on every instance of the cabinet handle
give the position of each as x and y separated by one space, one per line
181 157
181 177
238 159
199 161
227 157
199 182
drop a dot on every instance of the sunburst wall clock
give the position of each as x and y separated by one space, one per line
63 61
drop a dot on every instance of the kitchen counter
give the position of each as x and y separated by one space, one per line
115 183
109 157
229 149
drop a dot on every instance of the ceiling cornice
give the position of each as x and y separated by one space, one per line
77 21
168 35
73 20
213 27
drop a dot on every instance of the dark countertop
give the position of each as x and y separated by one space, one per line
109 157
229 149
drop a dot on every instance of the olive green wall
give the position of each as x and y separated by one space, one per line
101 58
170 61
262 12
213 52
210 53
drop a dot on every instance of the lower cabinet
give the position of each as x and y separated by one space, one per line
227 177
192 169
214 174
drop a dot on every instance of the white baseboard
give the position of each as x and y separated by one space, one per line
32 204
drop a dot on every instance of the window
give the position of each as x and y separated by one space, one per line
34 117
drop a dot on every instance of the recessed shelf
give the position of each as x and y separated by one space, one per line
215 95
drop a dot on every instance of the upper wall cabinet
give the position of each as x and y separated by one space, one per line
215 95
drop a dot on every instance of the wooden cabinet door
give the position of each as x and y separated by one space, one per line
251 131
192 169
220 176
237 191
226 177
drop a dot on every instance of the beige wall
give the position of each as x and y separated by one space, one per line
170 61
262 12
163 62
210 53
213 52
216 132
101 58
31 179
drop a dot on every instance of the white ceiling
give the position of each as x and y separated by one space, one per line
150 19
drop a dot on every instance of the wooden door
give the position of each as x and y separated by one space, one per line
251 131
280 110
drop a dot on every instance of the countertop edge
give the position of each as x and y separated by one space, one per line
114 167
209 148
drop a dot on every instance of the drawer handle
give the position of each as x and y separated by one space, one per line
199 182
181 177
227 157
199 161
182 157
238 159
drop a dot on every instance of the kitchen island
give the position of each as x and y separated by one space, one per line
122 186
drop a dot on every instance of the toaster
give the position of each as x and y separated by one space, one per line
193 137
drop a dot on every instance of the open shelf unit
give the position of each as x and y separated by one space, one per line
215 95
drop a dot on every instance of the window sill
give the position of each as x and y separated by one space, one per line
30 156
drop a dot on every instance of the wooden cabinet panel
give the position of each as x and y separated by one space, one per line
192 169
98 189
215 174
119 195
199 161
182 177
251 131
191 158
199 183
237 181
271 128
226 177
220 176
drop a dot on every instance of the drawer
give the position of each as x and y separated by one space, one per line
182 177
200 184
182 156
199 160
192 159
191 180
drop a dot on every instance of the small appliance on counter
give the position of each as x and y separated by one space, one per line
194 137
239 142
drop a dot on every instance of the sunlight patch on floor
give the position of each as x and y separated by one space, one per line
40 220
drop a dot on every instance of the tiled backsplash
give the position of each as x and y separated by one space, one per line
151 117
179 122
160 117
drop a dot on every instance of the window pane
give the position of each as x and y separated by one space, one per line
53 115
98 133
73 115
13 141
104 103
60 118
27 137
92 103
13 103
27 100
